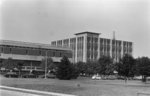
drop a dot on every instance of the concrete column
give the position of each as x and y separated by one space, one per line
56 43
85 48
62 43
103 47
111 48
122 49
106 47
132 49
69 43
98 49
76 50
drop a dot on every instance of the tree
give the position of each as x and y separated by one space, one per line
91 68
125 66
75 71
105 66
8 64
143 66
64 69
50 65
81 67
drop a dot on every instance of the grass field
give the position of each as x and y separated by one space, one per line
81 86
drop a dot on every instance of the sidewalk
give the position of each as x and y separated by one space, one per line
4 92
40 93
131 83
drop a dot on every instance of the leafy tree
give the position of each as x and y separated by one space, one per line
126 66
105 66
50 64
91 68
143 66
81 67
64 69
75 71
8 64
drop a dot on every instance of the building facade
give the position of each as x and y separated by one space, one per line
31 53
89 46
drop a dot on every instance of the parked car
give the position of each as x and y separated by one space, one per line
148 78
137 78
11 74
96 77
109 77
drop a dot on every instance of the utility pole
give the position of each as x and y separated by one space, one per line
114 37
114 46
46 64
31 67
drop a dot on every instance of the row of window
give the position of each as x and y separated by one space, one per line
62 42
72 40
95 40
92 39
92 54
80 53
80 43
102 40
59 42
36 52
66 42
53 43
127 43
73 47
102 43
80 39
104 54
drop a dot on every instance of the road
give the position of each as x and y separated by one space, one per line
4 92
12 91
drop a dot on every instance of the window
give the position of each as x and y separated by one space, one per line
54 54
1 49
50 52
96 40
40 52
6 49
26 51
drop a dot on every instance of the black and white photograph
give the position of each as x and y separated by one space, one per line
74 47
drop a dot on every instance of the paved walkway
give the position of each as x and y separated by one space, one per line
4 92
12 91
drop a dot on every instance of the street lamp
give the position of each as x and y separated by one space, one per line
46 64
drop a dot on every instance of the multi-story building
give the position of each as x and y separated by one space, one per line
31 53
88 46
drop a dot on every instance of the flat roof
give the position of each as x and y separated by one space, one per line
29 44
87 32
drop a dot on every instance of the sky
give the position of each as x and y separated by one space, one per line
42 21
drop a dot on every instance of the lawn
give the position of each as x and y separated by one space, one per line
81 86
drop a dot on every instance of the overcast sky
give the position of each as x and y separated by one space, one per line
42 21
